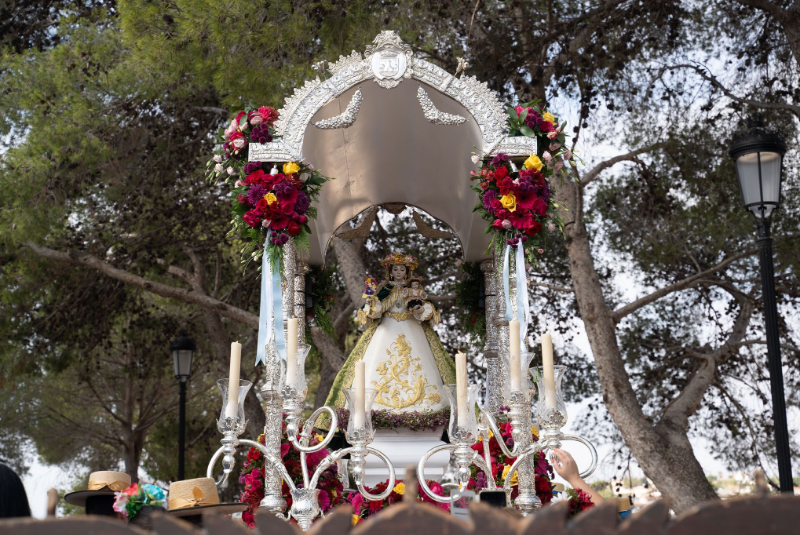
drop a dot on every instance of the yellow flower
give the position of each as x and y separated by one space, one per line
535 431
509 202
514 479
547 116
400 488
270 198
290 167
354 519
533 162
320 437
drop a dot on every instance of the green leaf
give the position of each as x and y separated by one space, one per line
527 132
523 115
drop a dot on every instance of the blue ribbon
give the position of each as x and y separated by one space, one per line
523 307
270 317
506 291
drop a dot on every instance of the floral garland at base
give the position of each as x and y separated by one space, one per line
331 491
363 508
265 200
411 420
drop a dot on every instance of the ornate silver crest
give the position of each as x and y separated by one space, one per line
389 58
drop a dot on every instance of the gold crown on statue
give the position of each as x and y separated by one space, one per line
399 258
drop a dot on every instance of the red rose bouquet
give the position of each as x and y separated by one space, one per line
252 478
501 465
363 508
268 198
518 202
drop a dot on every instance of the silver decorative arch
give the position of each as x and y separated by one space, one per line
386 138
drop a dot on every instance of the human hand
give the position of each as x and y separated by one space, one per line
564 465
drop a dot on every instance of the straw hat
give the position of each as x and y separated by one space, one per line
198 496
100 484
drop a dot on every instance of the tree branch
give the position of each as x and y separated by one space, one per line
630 156
551 286
688 401
704 74
630 308
328 347
164 290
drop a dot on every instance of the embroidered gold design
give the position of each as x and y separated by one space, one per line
434 398
402 383
400 316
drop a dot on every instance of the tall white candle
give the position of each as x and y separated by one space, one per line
514 350
291 352
359 416
232 406
548 371
462 389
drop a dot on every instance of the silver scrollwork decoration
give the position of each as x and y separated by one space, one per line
433 114
345 119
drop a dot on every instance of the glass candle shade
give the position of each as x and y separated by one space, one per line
295 377
524 364
363 432
244 386
465 430
550 409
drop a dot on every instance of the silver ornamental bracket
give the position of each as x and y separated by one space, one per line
389 61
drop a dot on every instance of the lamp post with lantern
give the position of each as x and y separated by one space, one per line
758 157
182 349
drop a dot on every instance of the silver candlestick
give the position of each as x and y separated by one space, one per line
463 433
552 414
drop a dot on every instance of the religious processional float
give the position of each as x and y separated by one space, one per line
380 124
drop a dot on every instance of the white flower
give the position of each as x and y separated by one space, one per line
547 157
568 154
559 497
231 171
239 142
239 183
218 168
558 166
217 158
551 227
506 224
475 158
552 135
265 223
541 251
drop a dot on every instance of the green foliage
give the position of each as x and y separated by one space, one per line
471 315
323 292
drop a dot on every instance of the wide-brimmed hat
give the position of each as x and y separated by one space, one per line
100 484
198 496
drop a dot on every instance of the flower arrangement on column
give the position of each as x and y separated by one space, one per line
267 197
252 477
363 508
518 202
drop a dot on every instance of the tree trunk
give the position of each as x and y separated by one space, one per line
132 453
327 375
666 456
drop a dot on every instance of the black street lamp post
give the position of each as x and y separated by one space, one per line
758 156
182 349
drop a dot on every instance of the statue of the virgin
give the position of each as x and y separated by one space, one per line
405 361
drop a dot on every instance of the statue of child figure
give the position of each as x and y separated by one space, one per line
415 293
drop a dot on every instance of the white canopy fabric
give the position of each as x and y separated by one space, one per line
393 128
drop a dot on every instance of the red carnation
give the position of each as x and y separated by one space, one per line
262 205
500 173
293 228
539 207
252 218
279 223
241 198
268 115
256 177
534 229
498 224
